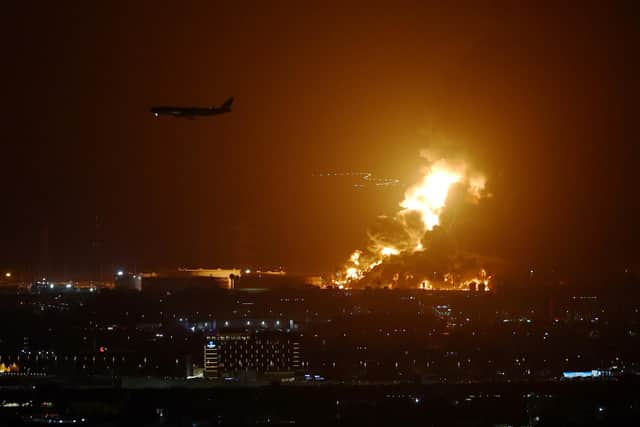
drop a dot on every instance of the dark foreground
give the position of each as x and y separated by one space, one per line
570 403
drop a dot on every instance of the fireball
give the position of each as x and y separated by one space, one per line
426 200
430 195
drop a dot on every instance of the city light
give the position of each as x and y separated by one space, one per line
595 373
420 213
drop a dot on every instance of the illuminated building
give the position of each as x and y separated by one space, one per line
229 354
595 373
42 286
211 359
224 278
128 281
274 279
224 275
184 278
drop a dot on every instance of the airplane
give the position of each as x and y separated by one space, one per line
192 112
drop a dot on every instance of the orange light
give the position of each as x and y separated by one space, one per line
427 198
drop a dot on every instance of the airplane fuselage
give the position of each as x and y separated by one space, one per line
192 112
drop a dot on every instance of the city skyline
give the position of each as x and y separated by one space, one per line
329 213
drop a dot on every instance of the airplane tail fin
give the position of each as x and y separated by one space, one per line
227 104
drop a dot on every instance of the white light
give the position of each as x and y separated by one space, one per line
51 286
120 273
388 251
247 271
68 285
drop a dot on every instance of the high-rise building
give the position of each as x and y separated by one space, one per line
229 354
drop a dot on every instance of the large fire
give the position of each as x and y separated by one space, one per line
404 233
429 196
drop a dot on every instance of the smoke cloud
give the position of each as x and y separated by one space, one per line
422 245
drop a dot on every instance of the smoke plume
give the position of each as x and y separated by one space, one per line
421 246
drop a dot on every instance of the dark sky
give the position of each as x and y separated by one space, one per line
543 99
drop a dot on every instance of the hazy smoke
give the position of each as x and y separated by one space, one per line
422 243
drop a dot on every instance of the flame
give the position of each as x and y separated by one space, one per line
428 197
479 282
388 251
425 284
9 368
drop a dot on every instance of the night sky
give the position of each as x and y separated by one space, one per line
543 99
